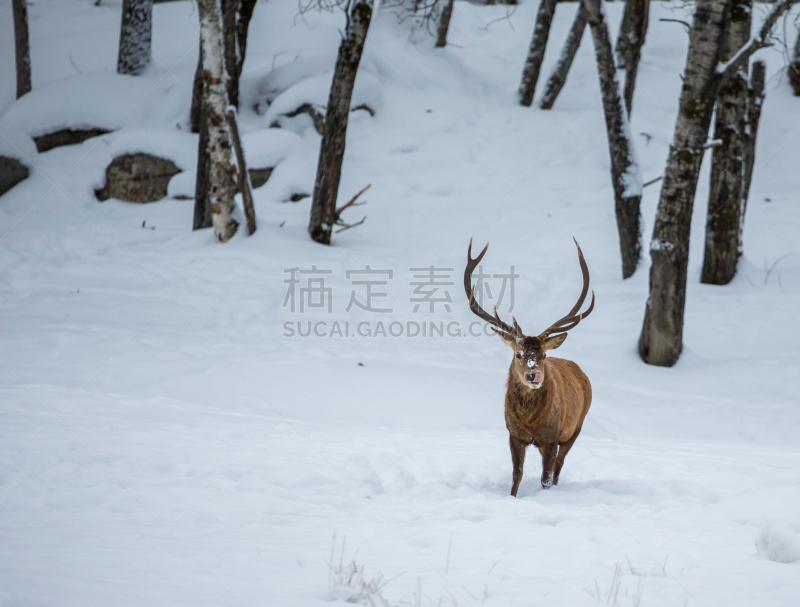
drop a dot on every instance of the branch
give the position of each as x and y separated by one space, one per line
683 23
338 212
758 41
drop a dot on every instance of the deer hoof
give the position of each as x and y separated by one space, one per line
547 483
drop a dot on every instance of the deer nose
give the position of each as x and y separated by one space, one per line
531 376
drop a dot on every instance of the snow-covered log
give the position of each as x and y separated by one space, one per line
727 167
221 186
331 154
626 174
135 36
533 63
22 46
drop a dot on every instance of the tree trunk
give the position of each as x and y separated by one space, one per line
794 68
626 174
135 36
629 43
559 75
755 99
242 26
221 186
533 63
197 91
727 168
444 24
22 47
661 342
242 176
331 154
230 11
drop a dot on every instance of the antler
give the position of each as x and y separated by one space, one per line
498 325
572 319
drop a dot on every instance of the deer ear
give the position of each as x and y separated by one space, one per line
551 343
507 338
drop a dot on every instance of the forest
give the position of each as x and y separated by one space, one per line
256 256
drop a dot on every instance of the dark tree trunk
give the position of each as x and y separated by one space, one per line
629 43
662 333
202 200
242 177
794 68
135 36
727 168
242 26
331 154
444 24
197 91
755 99
533 63
230 10
22 47
625 171
559 75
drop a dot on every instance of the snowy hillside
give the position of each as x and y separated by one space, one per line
168 437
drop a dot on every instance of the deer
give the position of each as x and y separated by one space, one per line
547 398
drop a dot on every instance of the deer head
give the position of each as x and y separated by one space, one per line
529 351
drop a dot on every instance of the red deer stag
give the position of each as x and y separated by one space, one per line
547 399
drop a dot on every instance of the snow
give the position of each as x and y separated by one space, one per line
161 442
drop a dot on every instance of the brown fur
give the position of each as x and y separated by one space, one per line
549 417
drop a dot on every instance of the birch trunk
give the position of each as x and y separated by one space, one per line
533 63
559 75
135 36
629 43
794 68
755 99
331 154
661 342
230 11
22 46
727 160
625 171
221 187
444 24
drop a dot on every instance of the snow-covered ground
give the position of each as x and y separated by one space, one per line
163 441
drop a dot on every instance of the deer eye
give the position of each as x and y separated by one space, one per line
519 354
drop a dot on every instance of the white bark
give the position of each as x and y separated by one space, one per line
221 187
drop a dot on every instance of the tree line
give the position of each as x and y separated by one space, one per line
720 84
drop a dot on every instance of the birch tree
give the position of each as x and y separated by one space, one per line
135 37
22 46
558 77
632 32
625 171
661 340
727 160
331 154
533 62
221 186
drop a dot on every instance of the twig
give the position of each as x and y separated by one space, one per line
652 181
337 216
772 267
683 23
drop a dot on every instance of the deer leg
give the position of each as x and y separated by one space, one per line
563 449
518 460
549 452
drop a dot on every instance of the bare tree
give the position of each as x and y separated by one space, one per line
629 43
331 154
558 77
221 186
444 24
727 168
22 46
625 171
755 99
661 340
794 68
533 63
242 176
135 37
